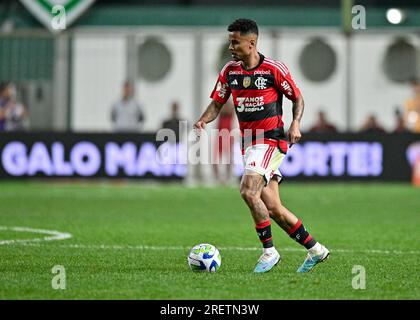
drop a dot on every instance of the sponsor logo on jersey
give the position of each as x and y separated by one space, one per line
287 87
261 83
247 82
235 72
250 104
262 72
221 87
234 82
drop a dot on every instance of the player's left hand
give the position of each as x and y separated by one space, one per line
198 126
294 134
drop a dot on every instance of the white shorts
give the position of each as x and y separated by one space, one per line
264 160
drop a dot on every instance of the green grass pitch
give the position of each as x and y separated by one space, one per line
131 241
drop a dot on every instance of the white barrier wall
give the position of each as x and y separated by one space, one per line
328 95
98 71
177 85
99 67
374 93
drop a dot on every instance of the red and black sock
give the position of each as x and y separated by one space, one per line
299 234
264 233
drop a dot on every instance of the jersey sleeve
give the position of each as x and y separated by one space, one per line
284 83
221 91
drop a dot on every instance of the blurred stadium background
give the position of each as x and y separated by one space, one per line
172 52
68 81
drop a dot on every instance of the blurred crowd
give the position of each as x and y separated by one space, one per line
13 114
411 116
127 114
407 118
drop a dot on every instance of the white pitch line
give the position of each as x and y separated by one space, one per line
56 235
145 247
52 235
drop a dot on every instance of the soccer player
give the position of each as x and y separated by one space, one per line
258 85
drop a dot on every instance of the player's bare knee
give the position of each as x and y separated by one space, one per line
246 194
249 196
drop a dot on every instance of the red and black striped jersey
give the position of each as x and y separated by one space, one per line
258 97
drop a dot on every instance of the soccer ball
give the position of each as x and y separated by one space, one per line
204 257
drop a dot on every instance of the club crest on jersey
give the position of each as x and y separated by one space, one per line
246 82
261 83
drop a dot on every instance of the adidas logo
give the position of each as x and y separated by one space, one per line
234 82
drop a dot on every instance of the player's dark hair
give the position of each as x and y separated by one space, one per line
243 26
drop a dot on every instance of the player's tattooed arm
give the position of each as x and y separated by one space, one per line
294 134
298 106
209 115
